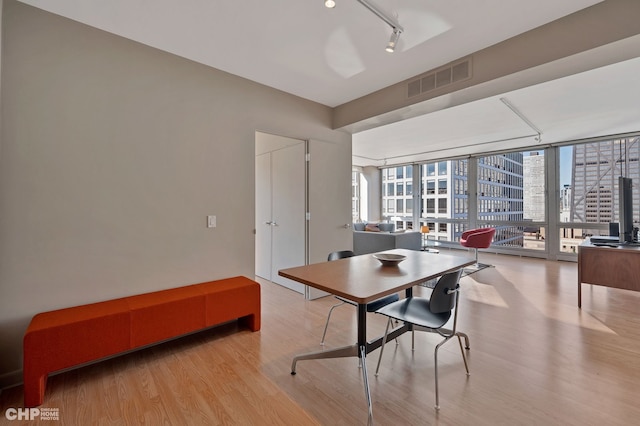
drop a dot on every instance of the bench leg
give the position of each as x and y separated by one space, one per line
252 321
34 387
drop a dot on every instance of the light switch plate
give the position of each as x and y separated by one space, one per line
211 221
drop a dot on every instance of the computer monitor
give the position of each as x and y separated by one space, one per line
614 229
625 212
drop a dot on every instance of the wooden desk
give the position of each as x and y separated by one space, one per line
363 279
616 267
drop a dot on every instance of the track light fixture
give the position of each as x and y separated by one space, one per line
397 29
395 35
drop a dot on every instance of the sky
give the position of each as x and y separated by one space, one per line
565 165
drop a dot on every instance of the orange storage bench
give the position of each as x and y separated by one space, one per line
165 314
74 336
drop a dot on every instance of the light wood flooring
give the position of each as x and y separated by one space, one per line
535 359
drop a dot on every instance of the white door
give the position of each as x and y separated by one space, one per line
289 212
280 207
329 202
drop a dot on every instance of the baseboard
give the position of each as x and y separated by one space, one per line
11 379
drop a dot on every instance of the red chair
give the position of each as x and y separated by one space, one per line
478 238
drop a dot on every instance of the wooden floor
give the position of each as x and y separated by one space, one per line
535 359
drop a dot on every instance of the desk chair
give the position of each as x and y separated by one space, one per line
430 314
475 239
371 307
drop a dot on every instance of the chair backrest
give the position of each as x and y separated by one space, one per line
443 297
335 255
478 238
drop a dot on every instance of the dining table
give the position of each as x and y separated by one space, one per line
363 279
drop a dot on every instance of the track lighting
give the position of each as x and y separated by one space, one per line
397 29
393 41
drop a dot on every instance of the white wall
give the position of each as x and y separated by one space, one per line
112 155
373 180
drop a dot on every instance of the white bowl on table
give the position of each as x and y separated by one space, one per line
389 259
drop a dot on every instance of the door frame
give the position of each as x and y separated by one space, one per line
268 143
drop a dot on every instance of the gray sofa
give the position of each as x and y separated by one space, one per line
387 239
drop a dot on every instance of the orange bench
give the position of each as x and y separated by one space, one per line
70 337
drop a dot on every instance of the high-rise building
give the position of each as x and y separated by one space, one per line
501 195
534 190
565 203
596 168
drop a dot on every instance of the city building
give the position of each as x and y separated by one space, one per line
594 186
444 197
534 188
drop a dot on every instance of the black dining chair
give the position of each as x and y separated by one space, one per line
430 314
371 307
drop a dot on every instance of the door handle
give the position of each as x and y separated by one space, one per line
268 223
274 224
346 226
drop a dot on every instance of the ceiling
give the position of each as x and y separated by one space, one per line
333 56
601 102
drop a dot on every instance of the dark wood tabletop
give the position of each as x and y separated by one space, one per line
363 278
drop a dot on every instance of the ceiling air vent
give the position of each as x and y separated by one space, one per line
460 71
428 83
442 77
414 88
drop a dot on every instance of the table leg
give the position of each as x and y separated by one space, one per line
342 352
360 350
579 295
362 325
365 378
579 284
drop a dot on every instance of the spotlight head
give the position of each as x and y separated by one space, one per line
393 41
330 4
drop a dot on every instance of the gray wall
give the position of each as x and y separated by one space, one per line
112 154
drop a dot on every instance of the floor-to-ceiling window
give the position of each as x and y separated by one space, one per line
444 198
511 198
511 192
355 195
588 188
397 196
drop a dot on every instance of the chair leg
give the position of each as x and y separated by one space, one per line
464 356
466 339
435 362
435 359
384 340
324 333
476 266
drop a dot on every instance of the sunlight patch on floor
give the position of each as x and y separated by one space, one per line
567 314
484 293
